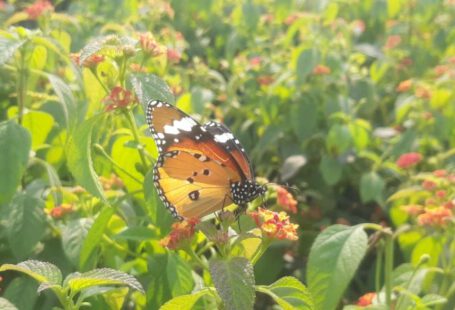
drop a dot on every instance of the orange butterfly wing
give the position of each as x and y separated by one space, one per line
191 184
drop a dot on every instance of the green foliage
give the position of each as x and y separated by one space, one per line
325 96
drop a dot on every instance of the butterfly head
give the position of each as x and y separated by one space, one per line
243 192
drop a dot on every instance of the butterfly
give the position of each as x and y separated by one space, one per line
200 168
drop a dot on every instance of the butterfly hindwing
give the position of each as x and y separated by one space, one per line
191 187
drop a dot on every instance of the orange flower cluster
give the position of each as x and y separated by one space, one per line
366 299
149 45
275 225
435 217
392 41
285 199
404 86
408 160
61 210
436 209
118 98
321 70
113 182
90 62
181 233
38 8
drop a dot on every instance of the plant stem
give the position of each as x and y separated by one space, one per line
378 269
103 152
189 250
388 269
130 118
21 86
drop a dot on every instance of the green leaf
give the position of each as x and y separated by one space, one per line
331 169
38 57
148 86
304 119
334 257
289 293
184 302
8 46
339 139
26 224
179 275
39 124
6 305
101 277
371 187
431 246
15 144
22 293
66 100
136 234
307 60
234 281
95 234
432 300
79 157
43 272
73 237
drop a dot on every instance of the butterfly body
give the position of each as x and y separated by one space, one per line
200 168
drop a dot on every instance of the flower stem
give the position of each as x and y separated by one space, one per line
388 269
130 118
21 86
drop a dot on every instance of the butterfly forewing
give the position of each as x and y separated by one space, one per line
191 187
225 138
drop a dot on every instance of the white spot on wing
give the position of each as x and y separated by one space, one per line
223 138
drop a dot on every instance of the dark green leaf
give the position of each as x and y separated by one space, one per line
22 293
371 187
80 158
179 275
136 234
234 281
73 237
308 59
26 224
334 257
15 144
331 169
45 273
95 234
66 100
304 119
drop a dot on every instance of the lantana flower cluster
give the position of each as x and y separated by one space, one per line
435 208
275 225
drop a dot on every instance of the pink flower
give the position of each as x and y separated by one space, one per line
181 234
118 98
275 225
173 55
366 300
38 8
408 160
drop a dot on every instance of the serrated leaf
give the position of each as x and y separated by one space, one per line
73 236
102 277
6 305
334 257
234 281
184 302
8 46
26 224
149 86
79 157
289 293
42 272
15 143
95 234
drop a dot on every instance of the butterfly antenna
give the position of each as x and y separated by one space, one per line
294 188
